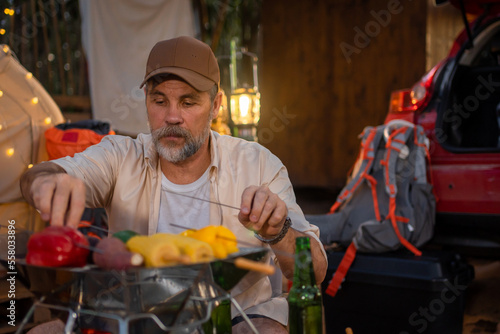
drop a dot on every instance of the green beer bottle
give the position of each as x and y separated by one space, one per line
305 315
220 320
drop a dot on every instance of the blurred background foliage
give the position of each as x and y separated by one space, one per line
223 21
46 38
45 35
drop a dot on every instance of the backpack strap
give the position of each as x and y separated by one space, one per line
395 148
371 138
396 143
342 270
373 187
422 142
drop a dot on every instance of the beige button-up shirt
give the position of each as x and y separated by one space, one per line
123 175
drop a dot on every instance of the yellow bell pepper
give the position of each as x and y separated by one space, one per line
221 239
187 233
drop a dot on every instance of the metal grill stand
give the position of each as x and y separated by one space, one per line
147 300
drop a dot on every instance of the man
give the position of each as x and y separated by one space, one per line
153 183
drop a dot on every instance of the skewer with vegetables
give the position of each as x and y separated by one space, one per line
65 246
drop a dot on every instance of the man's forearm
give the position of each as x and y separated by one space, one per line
285 251
30 175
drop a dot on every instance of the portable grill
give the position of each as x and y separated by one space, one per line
177 299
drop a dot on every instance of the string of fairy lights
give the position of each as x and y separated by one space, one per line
8 12
34 101
36 112
45 37
26 108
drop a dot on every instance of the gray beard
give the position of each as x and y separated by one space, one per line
177 154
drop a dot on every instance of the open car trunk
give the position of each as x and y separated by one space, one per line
469 114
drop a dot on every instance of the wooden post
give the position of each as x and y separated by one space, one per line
24 40
12 28
50 77
60 60
82 72
35 40
71 80
220 24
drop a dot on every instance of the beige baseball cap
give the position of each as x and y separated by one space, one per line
186 57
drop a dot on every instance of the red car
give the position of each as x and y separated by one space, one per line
458 104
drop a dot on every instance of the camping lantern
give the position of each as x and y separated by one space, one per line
245 106
244 101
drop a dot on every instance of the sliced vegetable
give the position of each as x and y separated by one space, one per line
112 254
156 252
125 235
58 246
187 233
226 237
195 250
49 249
80 241
220 238
93 241
206 234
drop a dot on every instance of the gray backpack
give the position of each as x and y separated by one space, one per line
388 202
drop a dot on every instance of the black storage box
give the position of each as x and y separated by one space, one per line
396 293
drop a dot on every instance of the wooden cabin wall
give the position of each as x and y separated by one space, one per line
444 23
317 98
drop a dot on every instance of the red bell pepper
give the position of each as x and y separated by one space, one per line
80 243
58 246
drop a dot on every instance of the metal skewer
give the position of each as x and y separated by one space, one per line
204 200
90 248
94 227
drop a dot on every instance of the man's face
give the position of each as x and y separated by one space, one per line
179 119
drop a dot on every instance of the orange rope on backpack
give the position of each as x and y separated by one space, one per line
365 148
392 194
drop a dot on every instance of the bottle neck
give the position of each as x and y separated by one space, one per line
303 274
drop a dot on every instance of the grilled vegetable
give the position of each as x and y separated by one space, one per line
195 250
58 246
125 235
221 239
112 254
49 249
81 243
156 252
93 241
187 233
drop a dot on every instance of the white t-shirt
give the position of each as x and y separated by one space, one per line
185 211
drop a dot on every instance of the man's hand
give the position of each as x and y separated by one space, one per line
262 211
59 197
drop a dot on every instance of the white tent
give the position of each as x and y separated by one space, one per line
26 111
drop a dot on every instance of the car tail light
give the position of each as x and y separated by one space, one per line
409 100
401 102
